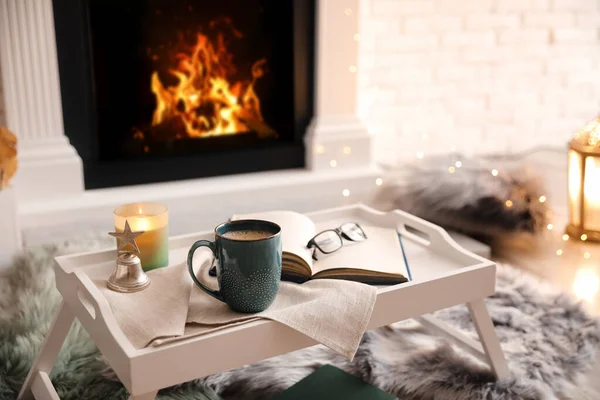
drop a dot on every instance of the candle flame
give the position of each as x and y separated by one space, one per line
142 224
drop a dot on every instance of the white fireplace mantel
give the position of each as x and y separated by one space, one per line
51 198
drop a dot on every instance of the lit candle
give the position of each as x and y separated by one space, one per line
153 219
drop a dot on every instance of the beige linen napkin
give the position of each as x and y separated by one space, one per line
332 312
159 311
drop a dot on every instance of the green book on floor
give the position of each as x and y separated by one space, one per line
331 383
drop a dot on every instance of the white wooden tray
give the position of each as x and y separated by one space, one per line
444 274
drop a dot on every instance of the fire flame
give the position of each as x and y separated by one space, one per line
205 99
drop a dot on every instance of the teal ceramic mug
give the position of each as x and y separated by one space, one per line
248 259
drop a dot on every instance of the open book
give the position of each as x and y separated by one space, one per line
377 260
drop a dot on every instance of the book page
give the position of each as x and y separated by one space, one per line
296 230
380 252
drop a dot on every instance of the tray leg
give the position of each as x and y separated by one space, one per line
489 340
145 396
49 350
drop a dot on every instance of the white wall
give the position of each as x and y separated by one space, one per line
481 75
2 112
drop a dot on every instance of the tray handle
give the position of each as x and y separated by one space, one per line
423 232
433 236
84 299
84 289
415 233
91 303
418 229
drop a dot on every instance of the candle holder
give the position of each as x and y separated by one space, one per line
153 220
584 183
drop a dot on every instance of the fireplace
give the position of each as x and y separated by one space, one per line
49 186
157 90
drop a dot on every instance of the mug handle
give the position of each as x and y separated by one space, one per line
211 245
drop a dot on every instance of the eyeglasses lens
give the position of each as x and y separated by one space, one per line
328 241
353 231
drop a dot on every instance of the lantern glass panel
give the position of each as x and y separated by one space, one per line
591 192
575 187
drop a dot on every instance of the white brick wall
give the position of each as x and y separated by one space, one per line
480 75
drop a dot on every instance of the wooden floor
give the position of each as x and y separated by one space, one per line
572 264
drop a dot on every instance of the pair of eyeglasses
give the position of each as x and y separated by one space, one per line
331 240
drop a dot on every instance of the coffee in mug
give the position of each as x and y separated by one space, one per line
247 234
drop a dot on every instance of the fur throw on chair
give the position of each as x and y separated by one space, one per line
472 198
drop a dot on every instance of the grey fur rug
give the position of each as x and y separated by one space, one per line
548 340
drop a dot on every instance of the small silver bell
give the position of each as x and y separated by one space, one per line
128 276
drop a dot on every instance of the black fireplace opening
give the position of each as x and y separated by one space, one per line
161 90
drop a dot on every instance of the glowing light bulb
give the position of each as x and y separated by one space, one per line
348 11
542 199
347 150
586 284
352 68
565 237
346 192
509 203
458 164
356 37
451 169
320 149
584 237
495 172
559 252
586 256
333 163
379 181
420 155
139 210
550 226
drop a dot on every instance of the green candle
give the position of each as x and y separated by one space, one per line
153 219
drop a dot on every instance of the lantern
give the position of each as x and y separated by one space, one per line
584 183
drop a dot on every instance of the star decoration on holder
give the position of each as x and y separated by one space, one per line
127 237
